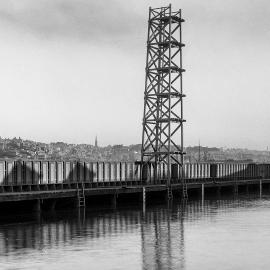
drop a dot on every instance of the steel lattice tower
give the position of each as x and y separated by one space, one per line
162 138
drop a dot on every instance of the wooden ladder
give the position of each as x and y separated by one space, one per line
81 196
184 190
169 192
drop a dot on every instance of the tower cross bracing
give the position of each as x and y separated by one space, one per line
162 138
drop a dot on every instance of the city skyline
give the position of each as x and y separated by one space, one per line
95 142
20 149
55 52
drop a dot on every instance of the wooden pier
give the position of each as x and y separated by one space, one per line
41 180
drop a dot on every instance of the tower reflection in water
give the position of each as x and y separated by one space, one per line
160 229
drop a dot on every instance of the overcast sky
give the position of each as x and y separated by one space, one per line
73 69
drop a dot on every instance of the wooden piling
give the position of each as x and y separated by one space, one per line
37 206
114 201
202 192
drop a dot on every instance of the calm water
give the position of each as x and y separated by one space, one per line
214 234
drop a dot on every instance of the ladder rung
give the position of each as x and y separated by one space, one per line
81 197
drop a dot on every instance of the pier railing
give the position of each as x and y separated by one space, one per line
95 174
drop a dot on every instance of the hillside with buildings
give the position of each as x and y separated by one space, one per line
18 148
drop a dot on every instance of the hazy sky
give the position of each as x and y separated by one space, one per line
73 69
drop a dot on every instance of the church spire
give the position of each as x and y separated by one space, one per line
96 142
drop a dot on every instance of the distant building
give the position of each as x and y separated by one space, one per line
2 146
41 155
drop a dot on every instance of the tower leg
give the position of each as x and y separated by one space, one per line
144 199
142 195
